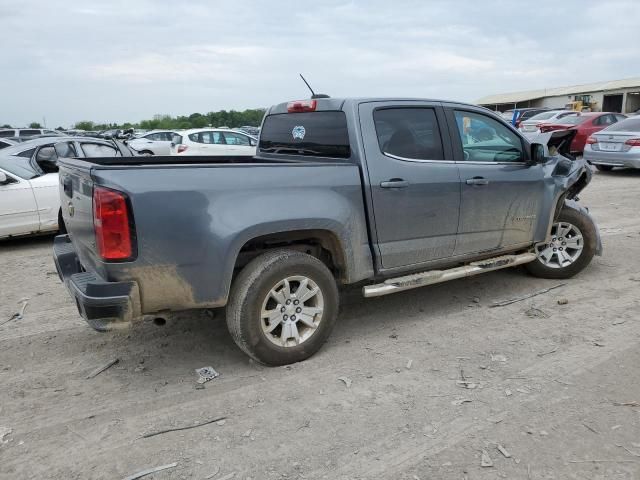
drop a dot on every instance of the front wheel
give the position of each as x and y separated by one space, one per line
604 168
572 246
282 307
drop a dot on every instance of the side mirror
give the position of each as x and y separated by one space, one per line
537 154
3 178
253 143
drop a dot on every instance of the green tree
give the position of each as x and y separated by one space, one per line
84 125
35 125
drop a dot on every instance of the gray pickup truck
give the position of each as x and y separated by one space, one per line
387 194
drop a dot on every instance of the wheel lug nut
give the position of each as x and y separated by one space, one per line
564 243
282 310
561 249
285 317
555 249
288 302
293 318
296 302
298 310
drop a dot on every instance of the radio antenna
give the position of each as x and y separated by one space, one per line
313 94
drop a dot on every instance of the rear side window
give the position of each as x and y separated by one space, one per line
27 153
319 134
210 138
409 133
177 139
7 133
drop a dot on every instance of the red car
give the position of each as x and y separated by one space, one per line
585 123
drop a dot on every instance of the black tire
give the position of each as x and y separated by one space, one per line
604 168
589 235
250 289
146 153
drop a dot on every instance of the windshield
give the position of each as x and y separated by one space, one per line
628 125
19 166
572 120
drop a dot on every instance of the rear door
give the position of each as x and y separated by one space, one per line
414 182
207 143
501 195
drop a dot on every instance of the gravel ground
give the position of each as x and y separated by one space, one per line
556 385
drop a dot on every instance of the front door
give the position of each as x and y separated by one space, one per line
414 182
18 210
502 195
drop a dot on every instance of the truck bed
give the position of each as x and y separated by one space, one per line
195 159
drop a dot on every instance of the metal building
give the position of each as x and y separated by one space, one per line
615 96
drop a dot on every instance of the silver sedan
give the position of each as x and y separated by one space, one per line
615 146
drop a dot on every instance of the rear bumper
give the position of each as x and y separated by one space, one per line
613 159
104 305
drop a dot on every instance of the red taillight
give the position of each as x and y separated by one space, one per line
111 223
300 106
182 148
591 140
633 142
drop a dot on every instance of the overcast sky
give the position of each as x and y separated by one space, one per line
116 61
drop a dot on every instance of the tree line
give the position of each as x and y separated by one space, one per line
222 118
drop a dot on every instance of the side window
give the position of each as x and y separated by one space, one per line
562 115
619 118
7 133
485 139
66 150
47 159
27 153
167 136
236 139
28 133
93 150
411 133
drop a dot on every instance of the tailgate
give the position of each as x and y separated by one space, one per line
76 203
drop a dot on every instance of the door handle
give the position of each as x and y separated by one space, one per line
477 181
394 183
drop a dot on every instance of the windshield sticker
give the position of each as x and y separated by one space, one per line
298 132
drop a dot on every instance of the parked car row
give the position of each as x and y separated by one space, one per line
29 197
615 146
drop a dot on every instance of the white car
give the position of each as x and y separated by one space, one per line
157 142
213 141
29 202
26 132
530 126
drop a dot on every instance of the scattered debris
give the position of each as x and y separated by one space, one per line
563 301
618 322
615 427
4 431
590 428
635 454
221 422
247 434
461 401
149 471
214 473
522 390
498 357
555 349
544 433
562 382
206 373
20 314
409 365
463 382
486 461
627 404
598 344
393 336
153 434
534 312
508 392
305 424
228 476
503 451
476 299
104 367
346 380
603 461
524 297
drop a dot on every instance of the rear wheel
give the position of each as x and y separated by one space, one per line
604 168
572 246
283 306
